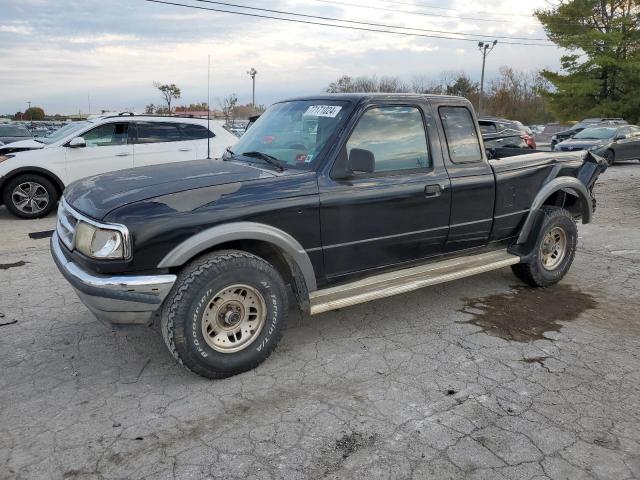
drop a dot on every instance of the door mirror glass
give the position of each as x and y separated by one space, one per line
362 161
77 142
622 136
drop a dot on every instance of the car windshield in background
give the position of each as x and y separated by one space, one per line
293 133
601 133
63 132
13 131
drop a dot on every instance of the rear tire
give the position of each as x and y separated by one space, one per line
553 251
30 196
225 313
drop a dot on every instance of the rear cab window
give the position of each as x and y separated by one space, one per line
461 135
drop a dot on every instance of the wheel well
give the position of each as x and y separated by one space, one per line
57 183
568 201
286 266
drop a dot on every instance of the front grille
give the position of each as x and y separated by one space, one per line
66 226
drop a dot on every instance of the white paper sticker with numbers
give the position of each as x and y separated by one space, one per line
322 111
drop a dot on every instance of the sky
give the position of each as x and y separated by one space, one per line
64 55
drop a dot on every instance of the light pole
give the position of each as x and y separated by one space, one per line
485 49
30 113
252 73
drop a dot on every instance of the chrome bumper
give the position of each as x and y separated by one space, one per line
117 300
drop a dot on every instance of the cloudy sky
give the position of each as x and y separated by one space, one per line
57 53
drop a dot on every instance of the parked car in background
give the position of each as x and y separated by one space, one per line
580 126
32 180
10 133
490 125
341 199
611 142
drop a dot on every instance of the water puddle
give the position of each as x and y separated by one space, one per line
525 314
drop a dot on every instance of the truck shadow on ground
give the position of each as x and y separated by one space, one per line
525 313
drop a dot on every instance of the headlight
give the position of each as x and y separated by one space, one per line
5 157
99 243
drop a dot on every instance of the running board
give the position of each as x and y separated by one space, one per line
407 280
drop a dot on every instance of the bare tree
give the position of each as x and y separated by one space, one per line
150 109
347 84
228 105
169 93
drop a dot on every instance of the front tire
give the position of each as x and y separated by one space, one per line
30 196
225 314
553 251
610 157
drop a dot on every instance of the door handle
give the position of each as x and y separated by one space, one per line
122 154
432 190
184 150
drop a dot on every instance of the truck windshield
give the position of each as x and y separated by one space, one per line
292 133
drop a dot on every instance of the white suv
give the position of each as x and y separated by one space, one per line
33 173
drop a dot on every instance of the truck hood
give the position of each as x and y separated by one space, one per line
98 195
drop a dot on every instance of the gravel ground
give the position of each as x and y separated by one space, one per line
480 378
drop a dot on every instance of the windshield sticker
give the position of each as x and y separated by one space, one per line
322 111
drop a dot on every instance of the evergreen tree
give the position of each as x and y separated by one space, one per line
601 74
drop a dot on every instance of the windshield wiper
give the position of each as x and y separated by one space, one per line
271 160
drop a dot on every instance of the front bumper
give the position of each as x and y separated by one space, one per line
117 299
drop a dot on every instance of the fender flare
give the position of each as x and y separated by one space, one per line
567 184
37 170
229 232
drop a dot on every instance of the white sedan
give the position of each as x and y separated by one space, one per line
34 173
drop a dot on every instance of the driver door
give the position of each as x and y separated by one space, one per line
107 149
397 214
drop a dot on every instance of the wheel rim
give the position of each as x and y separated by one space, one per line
609 157
553 248
233 318
30 197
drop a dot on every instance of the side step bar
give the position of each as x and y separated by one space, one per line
407 280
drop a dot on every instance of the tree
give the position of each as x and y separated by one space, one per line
150 109
228 105
168 92
461 85
347 84
600 75
33 113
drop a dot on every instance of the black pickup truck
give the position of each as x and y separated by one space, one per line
338 199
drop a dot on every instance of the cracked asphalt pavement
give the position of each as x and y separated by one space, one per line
480 378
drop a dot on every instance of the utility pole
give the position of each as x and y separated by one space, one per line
252 73
30 113
485 49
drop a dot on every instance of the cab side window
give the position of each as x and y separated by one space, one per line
395 135
158 132
194 132
462 138
106 135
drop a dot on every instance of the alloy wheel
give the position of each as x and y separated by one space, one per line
30 197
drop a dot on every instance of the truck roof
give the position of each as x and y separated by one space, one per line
360 97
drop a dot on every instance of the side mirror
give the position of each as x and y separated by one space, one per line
77 142
362 161
620 137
